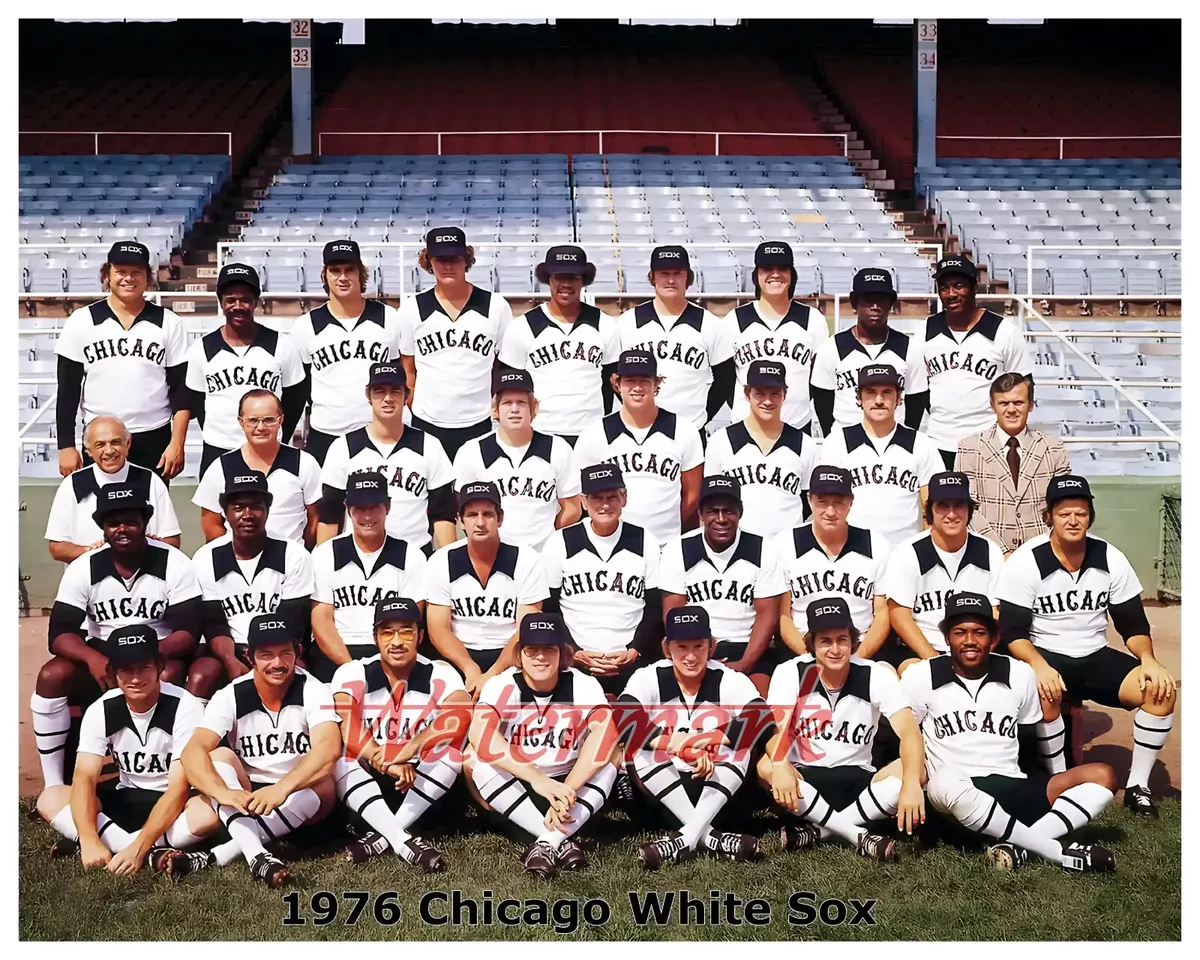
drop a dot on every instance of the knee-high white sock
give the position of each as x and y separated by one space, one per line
1073 808
434 778
113 837
665 784
816 809
251 830
507 796
958 797
1149 735
64 823
179 835
727 778
51 725
589 800
225 853
360 793
879 801
1052 744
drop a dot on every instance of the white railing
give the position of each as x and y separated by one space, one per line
97 134
598 134
1063 141
1030 248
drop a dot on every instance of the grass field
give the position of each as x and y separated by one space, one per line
932 893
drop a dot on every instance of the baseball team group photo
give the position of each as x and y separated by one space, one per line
624 534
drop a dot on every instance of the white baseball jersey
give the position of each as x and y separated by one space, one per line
93 587
687 348
793 341
565 360
294 481
544 729
353 580
918 577
124 371
724 583
1070 610
603 582
453 358
388 720
243 589
887 474
855 574
532 479
835 728
773 483
484 617
142 745
960 369
840 358
341 353
971 725
269 745
224 373
651 461
722 697
70 518
413 467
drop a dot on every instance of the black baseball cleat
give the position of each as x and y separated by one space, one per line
877 847
183 863
159 858
369 845
421 853
622 791
1140 802
539 860
570 856
667 850
63 847
269 869
1088 858
739 847
1007 857
800 836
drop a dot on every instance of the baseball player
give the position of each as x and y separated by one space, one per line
125 357
284 740
338 342
392 725
974 706
241 355
818 767
533 470
544 750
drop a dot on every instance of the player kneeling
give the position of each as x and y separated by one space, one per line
698 710
143 725
818 767
388 705
547 767
973 706
284 740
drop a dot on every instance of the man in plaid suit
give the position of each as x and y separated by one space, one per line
1009 465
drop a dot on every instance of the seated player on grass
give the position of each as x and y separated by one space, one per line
388 706
818 766
284 739
543 740
144 815
974 706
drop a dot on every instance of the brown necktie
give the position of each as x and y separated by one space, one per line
1014 460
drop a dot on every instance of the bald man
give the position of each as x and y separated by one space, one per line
70 527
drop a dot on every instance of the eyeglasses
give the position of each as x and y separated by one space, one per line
260 421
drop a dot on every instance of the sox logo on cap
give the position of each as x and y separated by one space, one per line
445 238
774 250
826 611
1070 483
879 277
668 254
272 625
342 248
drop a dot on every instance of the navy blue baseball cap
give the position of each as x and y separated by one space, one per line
600 477
720 485
669 258
115 497
773 253
508 378
446 242
233 274
365 488
129 252
1067 486
688 623
269 628
565 260
135 643
479 490
949 485
341 251
543 630
956 265
397 608
637 363
835 481
387 373
967 606
245 481
830 613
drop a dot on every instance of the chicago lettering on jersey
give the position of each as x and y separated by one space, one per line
822 728
956 722
720 589
767 347
273 744
250 603
541 737
544 490
848 380
639 462
125 347
943 362
140 762
127 608
694 357
603 581
1072 600
463 339
889 476
333 353
931 600
240 376
567 350
830 581
410 481
485 607
770 476
360 596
